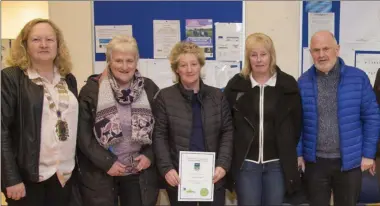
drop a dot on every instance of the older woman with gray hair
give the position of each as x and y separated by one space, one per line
114 134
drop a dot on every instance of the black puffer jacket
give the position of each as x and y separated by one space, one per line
95 161
21 115
172 133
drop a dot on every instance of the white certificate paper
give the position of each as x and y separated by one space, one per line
196 170
166 35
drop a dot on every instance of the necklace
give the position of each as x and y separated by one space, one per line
61 126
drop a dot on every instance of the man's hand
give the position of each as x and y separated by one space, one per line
219 174
172 178
372 170
16 192
301 163
117 169
366 163
144 162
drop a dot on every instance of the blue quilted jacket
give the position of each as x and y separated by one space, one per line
358 116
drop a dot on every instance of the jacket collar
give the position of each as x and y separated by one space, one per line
189 94
282 81
270 82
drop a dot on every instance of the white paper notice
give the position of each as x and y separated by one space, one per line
228 38
307 61
217 74
369 63
104 34
360 22
166 34
319 22
160 72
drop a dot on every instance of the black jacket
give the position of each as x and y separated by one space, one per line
172 132
287 123
95 161
21 115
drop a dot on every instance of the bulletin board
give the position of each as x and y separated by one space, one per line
140 14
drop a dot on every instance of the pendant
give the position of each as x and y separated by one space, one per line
62 130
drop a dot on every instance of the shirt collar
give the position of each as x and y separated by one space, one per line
333 71
33 74
270 82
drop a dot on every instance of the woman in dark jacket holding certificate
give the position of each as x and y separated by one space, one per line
191 116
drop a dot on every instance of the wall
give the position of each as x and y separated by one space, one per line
75 20
15 14
278 19
281 21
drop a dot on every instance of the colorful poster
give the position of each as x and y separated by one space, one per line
199 31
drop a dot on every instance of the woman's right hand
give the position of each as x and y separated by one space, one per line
117 169
172 178
16 192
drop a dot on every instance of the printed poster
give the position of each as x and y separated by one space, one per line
199 31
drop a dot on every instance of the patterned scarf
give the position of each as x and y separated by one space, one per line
107 126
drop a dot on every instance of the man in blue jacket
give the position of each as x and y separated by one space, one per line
341 125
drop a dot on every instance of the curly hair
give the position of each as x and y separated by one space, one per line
185 47
19 56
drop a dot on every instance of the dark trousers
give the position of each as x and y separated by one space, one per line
108 191
325 176
128 189
219 198
46 193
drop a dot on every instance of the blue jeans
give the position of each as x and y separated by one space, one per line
260 184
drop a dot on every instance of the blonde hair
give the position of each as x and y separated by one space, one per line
185 47
122 43
251 42
19 56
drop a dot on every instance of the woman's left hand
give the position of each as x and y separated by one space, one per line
144 162
219 174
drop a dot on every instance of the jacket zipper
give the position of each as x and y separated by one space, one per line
261 131
250 142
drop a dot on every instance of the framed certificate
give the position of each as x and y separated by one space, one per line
196 171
